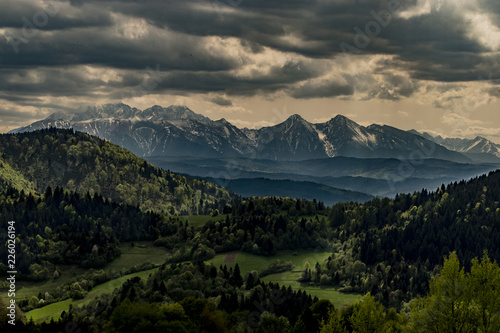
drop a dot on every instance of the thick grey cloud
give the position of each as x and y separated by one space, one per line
436 38
238 48
277 79
219 100
51 15
434 44
96 47
322 89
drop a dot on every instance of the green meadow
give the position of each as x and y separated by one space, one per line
143 251
140 253
131 256
339 299
54 310
249 262
200 220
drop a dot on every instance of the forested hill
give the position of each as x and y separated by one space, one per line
83 163
462 217
398 244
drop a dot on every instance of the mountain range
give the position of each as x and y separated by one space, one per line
294 158
478 149
178 131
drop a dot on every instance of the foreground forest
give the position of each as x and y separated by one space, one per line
201 298
426 262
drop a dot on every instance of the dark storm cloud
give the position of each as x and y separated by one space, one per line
431 46
219 100
321 90
96 47
50 15
278 78
434 45
20 99
20 82
404 87
260 22
49 82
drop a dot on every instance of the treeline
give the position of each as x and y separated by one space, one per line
266 225
389 248
83 163
425 226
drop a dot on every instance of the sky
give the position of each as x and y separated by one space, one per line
429 65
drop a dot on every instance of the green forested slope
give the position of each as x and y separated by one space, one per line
14 178
79 162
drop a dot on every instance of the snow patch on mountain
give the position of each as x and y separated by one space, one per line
362 138
329 148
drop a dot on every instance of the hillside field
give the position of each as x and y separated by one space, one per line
143 251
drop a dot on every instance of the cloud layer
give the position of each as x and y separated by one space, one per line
62 54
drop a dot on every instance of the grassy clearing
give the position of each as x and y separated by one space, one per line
200 220
54 310
248 262
338 298
143 251
136 255
26 289
130 257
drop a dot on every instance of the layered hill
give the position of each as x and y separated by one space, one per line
262 187
83 163
375 176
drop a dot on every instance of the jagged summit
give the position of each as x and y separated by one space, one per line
173 112
295 117
296 120
339 118
222 121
